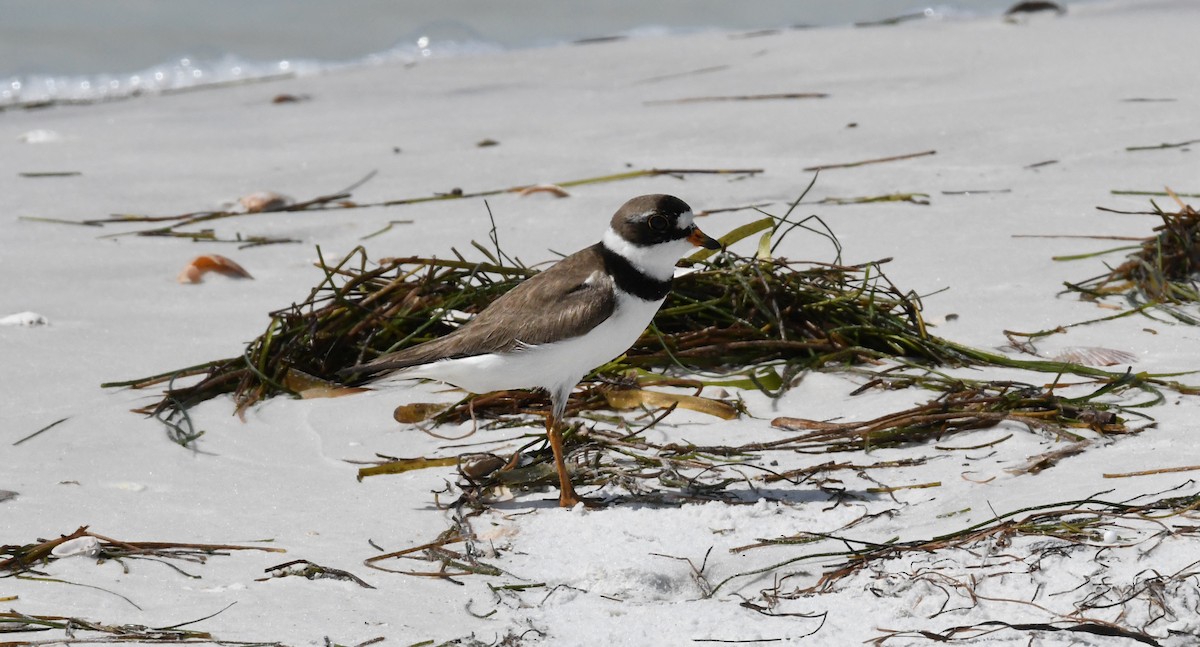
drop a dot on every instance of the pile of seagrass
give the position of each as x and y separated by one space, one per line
1164 270
761 317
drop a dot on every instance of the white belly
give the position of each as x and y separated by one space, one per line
555 367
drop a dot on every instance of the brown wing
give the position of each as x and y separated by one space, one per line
567 300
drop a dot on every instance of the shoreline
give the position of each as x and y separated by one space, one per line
187 72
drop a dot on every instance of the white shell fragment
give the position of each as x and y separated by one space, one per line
24 319
1095 356
87 546
40 136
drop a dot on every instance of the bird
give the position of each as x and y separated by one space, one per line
550 330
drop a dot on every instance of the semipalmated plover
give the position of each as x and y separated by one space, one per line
550 330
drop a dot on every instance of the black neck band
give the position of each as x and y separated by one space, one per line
631 280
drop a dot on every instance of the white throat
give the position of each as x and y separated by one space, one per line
656 261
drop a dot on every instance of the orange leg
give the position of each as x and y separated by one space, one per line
567 497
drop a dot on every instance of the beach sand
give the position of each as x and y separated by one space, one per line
1030 123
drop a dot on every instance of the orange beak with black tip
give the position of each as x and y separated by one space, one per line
701 239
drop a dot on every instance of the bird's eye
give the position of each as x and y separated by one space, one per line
658 222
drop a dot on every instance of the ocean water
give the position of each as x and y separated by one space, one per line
88 50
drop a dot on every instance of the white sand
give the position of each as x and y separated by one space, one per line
990 98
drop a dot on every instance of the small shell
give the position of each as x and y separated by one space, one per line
87 546
40 136
1095 356
195 270
480 466
24 319
261 201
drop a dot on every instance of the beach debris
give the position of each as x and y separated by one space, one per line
730 314
387 228
987 629
1035 6
755 322
86 545
42 430
1037 165
740 97
965 406
19 559
1046 460
451 563
913 198
340 200
40 136
7 495
487 143
480 466
1162 470
976 191
596 40
309 570
878 160
676 75
552 189
1163 273
1182 145
896 20
401 465
196 269
290 98
27 318
1063 524
38 174
758 33
1094 356
74 630
709 212
503 409
1163 194
417 412
622 399
262 201
310 386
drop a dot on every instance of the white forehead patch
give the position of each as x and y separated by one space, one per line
685 220
682 223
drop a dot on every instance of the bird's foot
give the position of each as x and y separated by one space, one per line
569 499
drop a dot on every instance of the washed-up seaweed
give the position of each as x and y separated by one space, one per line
16 559
760 319
617 456
731 315
1162 272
